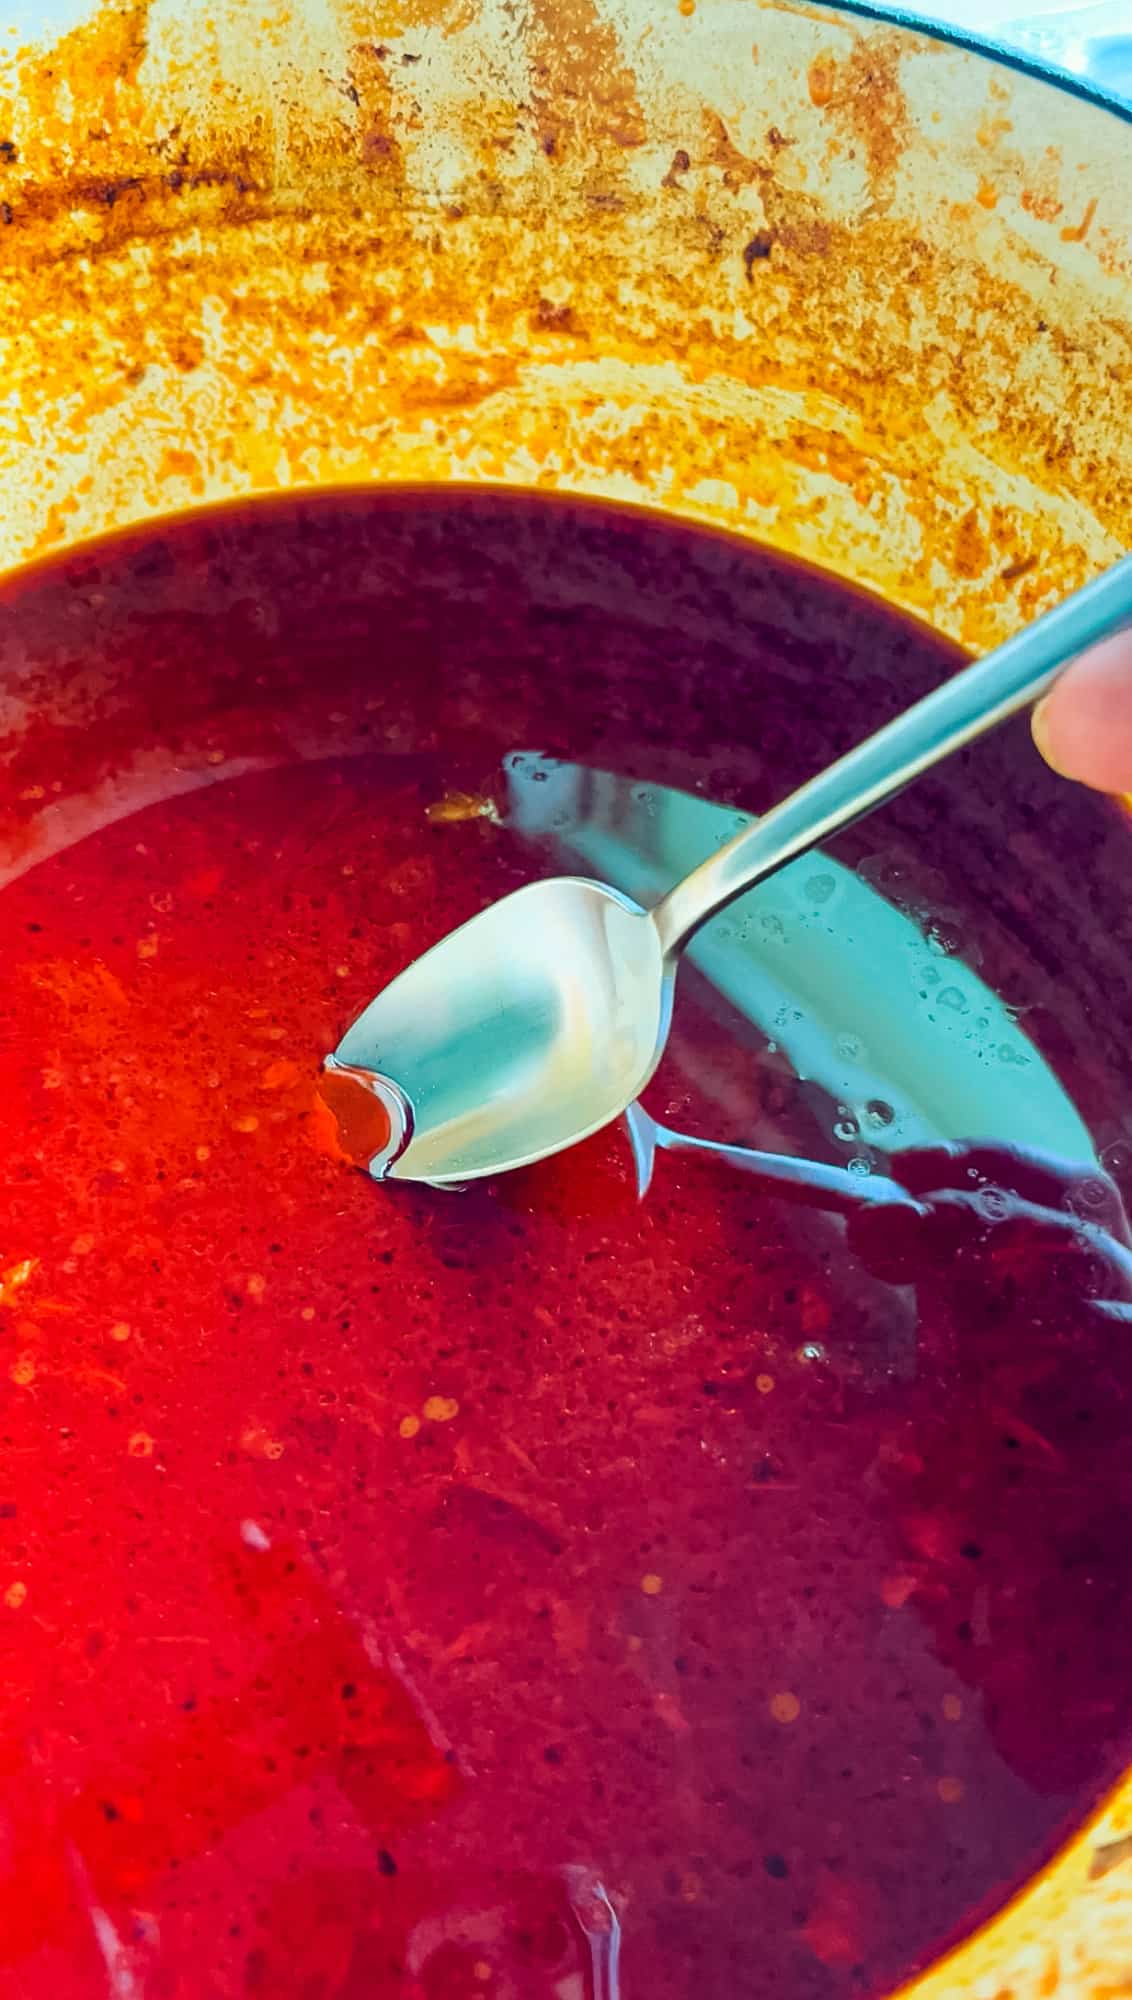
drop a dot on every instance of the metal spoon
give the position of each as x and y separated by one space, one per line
543 1018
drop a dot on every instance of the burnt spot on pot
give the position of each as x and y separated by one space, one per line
757 250
1109 1856
681 162
738 169
372 94
550 318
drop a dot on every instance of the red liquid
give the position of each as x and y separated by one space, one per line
395 1585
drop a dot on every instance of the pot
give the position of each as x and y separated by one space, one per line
831 281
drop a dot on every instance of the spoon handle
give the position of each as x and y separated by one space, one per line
973 701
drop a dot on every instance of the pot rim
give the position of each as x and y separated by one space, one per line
990 49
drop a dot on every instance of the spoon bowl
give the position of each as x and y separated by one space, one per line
518 1034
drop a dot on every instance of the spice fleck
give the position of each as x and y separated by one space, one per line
441 1409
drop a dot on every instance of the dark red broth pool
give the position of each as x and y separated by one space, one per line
541 1590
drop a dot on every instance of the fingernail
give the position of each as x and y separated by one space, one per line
1039 724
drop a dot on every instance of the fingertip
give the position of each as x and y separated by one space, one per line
1083 728
1043 737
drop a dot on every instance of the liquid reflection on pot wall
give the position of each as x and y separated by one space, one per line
854 291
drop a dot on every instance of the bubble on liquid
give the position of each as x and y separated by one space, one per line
953 999
847 1131
811 1350
859 1164
820 888
994 1204
878 1112
1090 1200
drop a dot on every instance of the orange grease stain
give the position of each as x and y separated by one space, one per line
1079 234
821 77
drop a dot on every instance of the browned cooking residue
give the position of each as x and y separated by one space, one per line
588 223
1044 206
582 85
865 98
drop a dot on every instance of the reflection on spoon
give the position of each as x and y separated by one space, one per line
596 1918
836 1190
849 986
949 1198
544 1936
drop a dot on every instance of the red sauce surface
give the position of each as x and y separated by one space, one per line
410 1594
